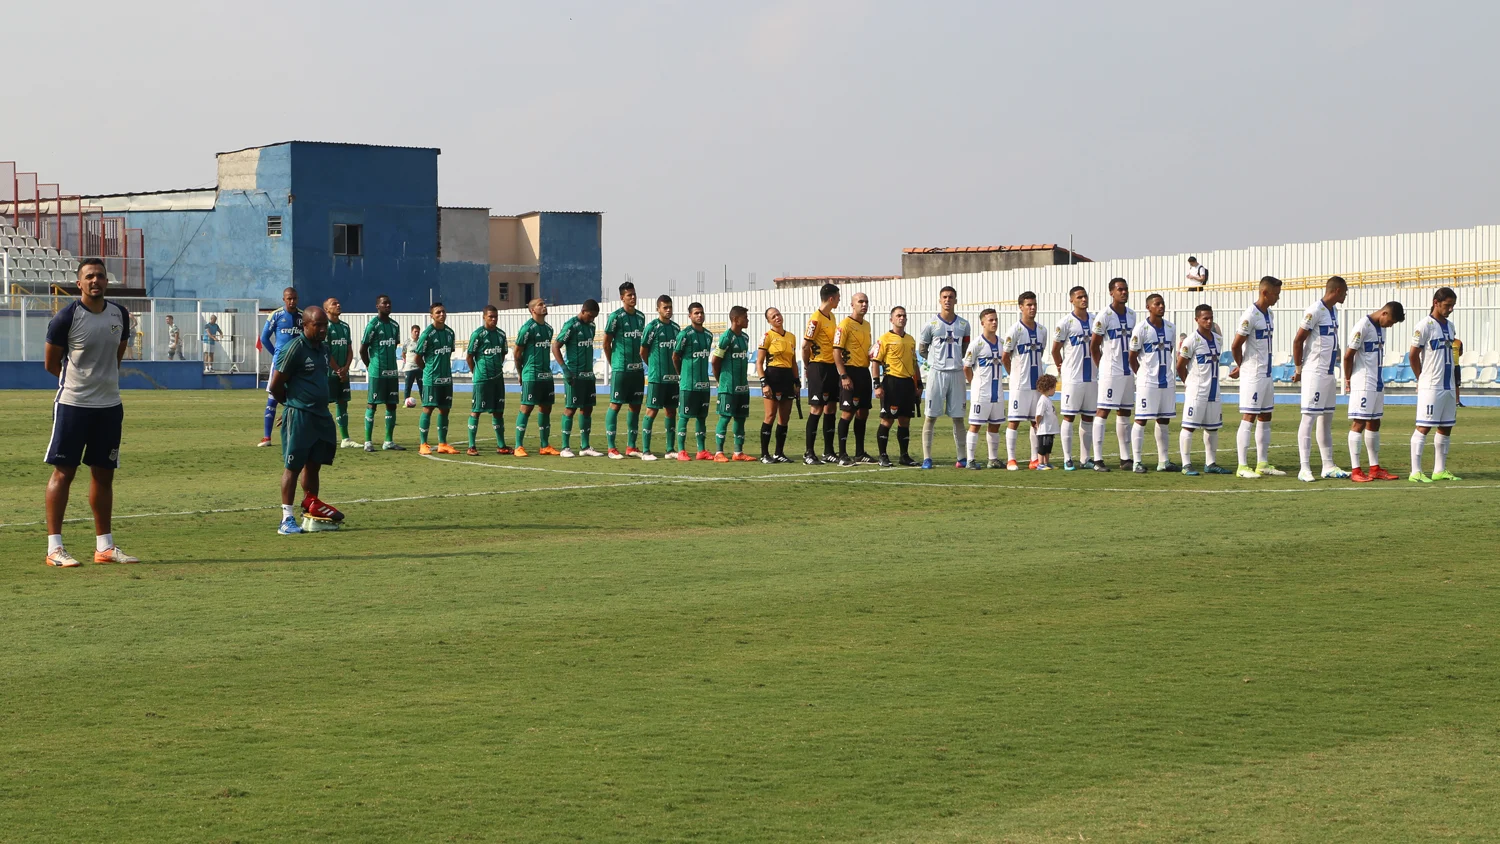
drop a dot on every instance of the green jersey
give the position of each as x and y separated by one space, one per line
436 346
383 336
340 344
533 359
624 330
306 368
577 341
487 345
694 344
660 339
734 372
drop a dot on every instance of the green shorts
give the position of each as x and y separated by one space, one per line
538 392
627 387
489 396
695 403
580 392
383 390
661 395
734 405
338 390
307 437
437 395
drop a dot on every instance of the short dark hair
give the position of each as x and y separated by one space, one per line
1205 307
91 262
827 291
1117 280
739 311
1398 311
1156 296
1021 300
590 306
765 313
382 296
664 299
986 312
695 306
434 306
1193 259
629 285
897 308
1076 288
948 288
1335 282
1270 281
1444 294
287 290
491 309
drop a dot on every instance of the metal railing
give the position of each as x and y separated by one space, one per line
24 318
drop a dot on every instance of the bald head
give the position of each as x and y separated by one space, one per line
314 323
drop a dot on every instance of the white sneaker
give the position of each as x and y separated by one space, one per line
1335 473
62 559
1306 476
348 443
114 555
589 452
647 456
567 452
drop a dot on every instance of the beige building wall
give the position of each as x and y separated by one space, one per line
515 246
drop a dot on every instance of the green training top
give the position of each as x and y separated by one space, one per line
577 341
734 373
534 360
625 330
659 340
383 336
694 344
436 345
487 345
340 344
306 368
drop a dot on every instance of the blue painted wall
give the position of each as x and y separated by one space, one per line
462 286
572 259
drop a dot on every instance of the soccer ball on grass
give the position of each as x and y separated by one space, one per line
411 401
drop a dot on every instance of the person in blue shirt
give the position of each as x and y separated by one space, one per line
280 328
211 335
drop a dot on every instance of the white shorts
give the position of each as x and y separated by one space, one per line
1202 414
1116 392
1080 398
1318 393
1022 405
1366 404
1256 394
945 393
1153 402
1436 408
987 412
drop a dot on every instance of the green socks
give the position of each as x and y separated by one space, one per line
633 419
588 426
739 435
544 428
567 427
369 422
343 417
671 435
646 434
611 418
443 427
521 428
703 433
682 429
723 429
422 424
390 425
473 431
499 429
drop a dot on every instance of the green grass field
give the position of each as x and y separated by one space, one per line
594 650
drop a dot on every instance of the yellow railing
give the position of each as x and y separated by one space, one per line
1452 275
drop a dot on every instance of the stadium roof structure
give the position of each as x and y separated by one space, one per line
1023 247
329 144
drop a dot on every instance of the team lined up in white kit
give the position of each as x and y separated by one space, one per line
1112 362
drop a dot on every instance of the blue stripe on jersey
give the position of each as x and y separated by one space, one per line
1124 349
1161 348
1088 357
1033 354
1270 330
1333 330
1447 356
1213 369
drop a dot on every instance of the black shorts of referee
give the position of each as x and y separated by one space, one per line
781 383
860 394
899 398
822 384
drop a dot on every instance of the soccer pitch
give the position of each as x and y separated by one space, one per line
591 650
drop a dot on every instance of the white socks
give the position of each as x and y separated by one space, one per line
1137 439
1355 440
1122 433
104 542
927 438
286 511
1067 439
1185 446
1163 445
959 429
973 440
54 542
1242 441
1304 441
1418 439
992 439
1211 448
1010 443
1324 432
1098 438
1031 436
1372 446
1440 458
1263 441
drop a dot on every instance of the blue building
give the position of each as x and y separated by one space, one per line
330 219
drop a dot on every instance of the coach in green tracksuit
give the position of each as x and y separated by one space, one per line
299 381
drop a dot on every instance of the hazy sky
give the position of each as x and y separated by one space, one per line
814 137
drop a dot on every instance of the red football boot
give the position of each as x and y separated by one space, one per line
318 510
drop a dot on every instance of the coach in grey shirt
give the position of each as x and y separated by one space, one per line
85 343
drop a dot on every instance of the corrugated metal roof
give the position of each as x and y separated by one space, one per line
534 213
193 199
327 143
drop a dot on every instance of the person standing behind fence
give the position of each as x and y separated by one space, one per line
409 366
174 340
1197 275
280 327
85 343
211 335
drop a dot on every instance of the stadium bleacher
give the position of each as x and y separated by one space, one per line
25 261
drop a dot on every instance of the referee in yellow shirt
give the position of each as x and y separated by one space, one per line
851 345
899 388
776 366
822 375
